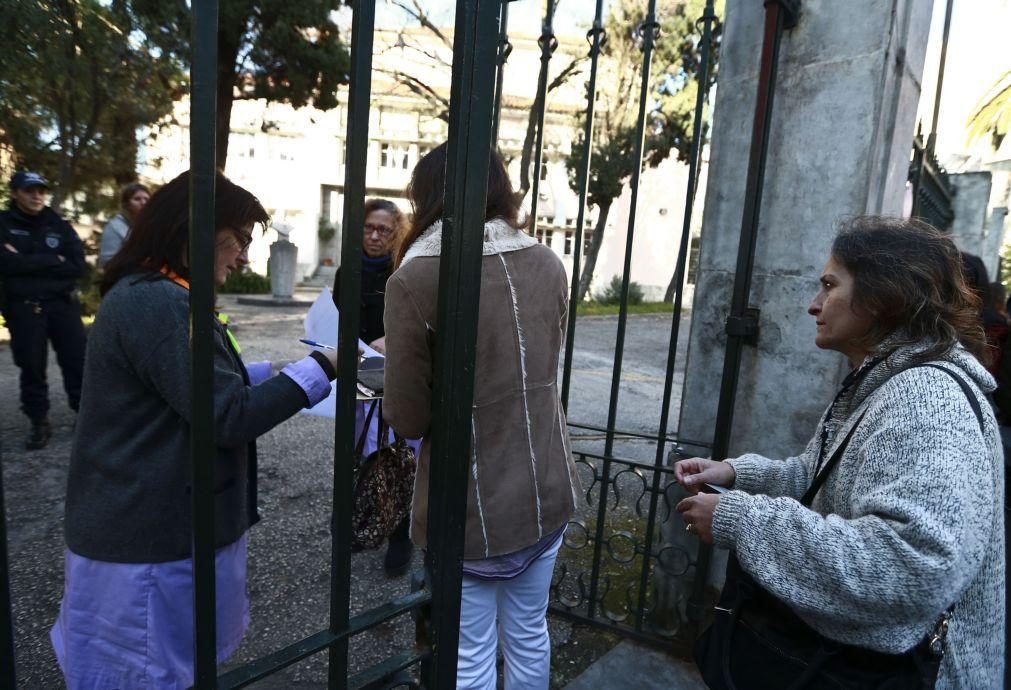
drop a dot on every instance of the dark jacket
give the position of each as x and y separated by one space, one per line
36 271
375 273
128 490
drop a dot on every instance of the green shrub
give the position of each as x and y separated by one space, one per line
612 293
326 231
246 282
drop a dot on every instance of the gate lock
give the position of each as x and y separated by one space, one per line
744 326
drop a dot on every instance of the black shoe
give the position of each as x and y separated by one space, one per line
39 435
398 557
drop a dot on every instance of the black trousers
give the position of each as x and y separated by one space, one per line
33 324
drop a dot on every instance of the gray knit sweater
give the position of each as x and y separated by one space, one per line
909 523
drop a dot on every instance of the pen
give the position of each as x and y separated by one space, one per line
315 344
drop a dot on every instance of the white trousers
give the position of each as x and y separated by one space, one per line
520 608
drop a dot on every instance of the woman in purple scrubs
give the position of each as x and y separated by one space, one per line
126 619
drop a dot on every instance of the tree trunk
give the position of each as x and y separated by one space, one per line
527 154
590 260
228 53
668 296
223 123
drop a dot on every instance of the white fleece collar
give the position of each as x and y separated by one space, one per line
499 237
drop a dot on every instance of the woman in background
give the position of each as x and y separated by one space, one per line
132 199
380 236
126 619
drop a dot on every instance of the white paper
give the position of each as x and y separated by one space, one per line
321 324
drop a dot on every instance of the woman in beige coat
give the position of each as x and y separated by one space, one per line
522 487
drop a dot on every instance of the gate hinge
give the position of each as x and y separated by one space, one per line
791 12
744 326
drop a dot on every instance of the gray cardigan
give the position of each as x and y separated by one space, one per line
113 236
128 491
910 522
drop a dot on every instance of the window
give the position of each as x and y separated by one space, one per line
548 237
568 242
539 234
587 239
544 171
393 156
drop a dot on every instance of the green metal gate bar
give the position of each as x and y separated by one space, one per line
469 148
580 590
204 32
548 44
707 21
597 37
649 32
742 323
8 670
357 138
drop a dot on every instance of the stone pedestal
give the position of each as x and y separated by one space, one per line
283 263
839 145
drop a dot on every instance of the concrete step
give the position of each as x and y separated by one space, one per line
632 666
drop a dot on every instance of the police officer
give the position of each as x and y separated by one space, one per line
41 258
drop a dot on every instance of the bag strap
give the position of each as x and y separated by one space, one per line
360 445
973 402
384 429
808 498
820 478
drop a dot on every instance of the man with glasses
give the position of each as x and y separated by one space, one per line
41 259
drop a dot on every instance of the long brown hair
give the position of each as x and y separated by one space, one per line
160 233
427 191
908 277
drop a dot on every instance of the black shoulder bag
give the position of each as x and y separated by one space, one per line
757 641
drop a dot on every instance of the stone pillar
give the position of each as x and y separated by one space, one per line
842 129
969 228
283 263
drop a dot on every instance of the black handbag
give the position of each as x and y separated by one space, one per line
757 641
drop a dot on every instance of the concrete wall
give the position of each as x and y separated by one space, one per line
846 98
969 229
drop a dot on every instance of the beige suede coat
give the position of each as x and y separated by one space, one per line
523 482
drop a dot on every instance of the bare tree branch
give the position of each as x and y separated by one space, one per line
422 18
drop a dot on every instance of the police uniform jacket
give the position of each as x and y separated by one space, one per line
35 271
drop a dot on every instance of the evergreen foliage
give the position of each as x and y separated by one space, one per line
669 112
279 50
78 81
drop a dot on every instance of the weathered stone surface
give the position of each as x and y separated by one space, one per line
839 144
283 263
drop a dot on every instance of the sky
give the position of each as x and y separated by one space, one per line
571 17
977 55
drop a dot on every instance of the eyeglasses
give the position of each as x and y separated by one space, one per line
381 229
241 239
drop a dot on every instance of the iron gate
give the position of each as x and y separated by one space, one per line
611 554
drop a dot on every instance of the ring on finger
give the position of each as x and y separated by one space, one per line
690 528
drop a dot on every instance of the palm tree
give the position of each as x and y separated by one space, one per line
992 115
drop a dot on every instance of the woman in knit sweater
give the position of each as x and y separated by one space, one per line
907 527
